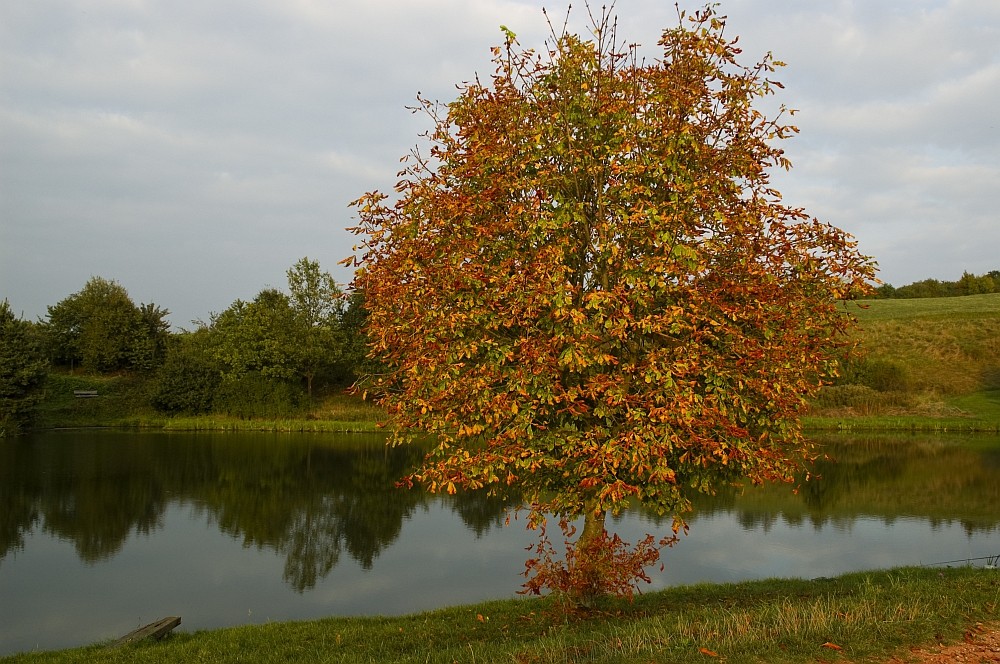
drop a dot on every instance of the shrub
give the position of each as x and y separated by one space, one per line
603 565
186 383
859 399
876 373
255 396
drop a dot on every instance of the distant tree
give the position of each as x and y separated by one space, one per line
258 337
22 371
970 284
886 291
101 329
152 336
318 305
355 361
589 292
279 336
925 288
253 395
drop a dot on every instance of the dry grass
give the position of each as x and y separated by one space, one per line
929 358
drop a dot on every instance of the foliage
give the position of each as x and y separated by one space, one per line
153 335
602 565
257 337
22 371
355 361
100 329
318 306
880 374
253 395
588 290
284 337
188 379
968 284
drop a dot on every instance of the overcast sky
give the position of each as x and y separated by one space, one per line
193 150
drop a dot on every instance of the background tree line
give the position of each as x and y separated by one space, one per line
266 357
969 284
263 358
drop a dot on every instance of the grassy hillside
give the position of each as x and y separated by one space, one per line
935 358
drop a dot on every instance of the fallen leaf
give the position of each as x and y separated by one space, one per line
831 646
709 653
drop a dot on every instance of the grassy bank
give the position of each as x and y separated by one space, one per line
929 365
123 401
861 616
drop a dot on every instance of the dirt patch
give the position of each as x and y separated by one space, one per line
980 644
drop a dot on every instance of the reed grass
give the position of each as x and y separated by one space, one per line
215 423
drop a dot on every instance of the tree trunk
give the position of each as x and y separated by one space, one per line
588 557
593 526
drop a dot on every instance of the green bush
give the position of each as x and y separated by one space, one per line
878 374
186 383
22 371
255 396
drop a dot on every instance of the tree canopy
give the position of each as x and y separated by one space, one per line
284 337
22 370
101 329
319 306
588 290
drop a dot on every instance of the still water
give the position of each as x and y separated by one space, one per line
103 531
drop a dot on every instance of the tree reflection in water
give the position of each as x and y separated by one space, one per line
313 498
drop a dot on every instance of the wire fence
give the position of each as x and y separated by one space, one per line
992 562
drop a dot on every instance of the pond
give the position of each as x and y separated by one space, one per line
103 531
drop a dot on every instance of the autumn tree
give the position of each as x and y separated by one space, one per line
588 290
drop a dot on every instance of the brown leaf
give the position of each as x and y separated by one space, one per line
831 646
707 652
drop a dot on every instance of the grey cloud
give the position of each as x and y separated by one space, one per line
193 151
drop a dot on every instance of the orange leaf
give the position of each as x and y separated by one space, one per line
707 652
831 646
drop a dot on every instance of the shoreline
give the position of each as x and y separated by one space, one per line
858 616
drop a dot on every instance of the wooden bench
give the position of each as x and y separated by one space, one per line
84 394
156 631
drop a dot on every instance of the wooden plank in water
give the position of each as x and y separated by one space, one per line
156 630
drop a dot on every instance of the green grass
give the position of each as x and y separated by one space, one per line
220 423
932 364
123 402
947 308
867 615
